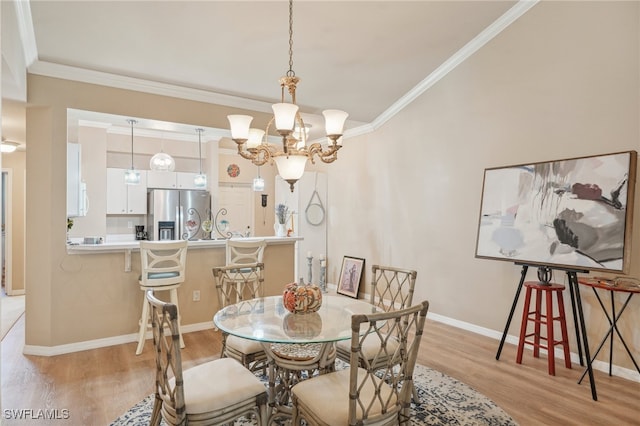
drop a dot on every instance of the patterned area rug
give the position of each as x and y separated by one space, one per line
444 401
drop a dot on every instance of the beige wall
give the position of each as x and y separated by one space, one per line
16 163
561 82
70 297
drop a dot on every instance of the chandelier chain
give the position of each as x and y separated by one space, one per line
291 73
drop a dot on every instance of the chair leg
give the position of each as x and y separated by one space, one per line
144 321
538 319
551 360
563 330
523 325
174 299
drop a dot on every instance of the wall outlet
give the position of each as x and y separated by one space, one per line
129 224
196 295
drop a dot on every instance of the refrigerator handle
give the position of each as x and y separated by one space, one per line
179 221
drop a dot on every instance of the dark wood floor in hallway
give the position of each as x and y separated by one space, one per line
96 386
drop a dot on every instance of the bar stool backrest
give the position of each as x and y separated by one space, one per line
241 252
163 262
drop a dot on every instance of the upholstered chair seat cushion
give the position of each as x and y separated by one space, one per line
244 346
371 347
332 390
232 383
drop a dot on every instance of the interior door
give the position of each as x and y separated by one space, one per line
238 201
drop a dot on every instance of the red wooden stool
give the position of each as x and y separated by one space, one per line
538 318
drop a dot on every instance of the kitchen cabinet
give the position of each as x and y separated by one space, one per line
170 180
76 189
161 180
123 198
184 180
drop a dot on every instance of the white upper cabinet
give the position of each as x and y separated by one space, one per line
123 198
162 180
185 180
170 180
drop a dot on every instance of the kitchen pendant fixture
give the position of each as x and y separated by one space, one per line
132 176
258 183
292 158
162 162
200 180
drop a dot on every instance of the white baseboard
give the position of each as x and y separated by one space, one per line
625 373
102 343
128 338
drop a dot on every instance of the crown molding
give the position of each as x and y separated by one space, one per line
50 69
456 59
65 72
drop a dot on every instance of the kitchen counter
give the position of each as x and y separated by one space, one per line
117 246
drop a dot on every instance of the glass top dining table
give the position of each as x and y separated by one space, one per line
266 319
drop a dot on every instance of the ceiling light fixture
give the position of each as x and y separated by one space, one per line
132 176
291 159
200 180
258 183
8 146
162 161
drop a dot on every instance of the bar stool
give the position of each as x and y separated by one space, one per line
538 318
163 266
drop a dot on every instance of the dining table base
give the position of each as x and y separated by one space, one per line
290 363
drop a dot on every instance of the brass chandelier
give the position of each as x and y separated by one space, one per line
292 156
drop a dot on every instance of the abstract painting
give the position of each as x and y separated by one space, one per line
572 214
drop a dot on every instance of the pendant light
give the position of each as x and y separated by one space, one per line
132 176
162 162
200 180
291 158
258 182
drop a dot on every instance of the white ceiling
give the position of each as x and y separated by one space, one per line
359 56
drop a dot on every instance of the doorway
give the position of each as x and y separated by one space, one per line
5 219
238 200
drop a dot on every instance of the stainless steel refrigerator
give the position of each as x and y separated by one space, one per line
175 214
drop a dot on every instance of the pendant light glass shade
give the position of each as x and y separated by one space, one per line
291 168
239 126
258 184
285 116
255 138
132 176
200 181
162 162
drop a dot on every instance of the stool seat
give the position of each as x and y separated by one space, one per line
547 318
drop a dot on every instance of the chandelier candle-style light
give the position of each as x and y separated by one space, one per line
200 180
292 157
132 176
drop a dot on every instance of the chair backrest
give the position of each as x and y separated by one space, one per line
392 288
378 392
163 262
235 283
240 252
169 383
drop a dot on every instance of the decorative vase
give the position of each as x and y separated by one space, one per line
301 299
281 229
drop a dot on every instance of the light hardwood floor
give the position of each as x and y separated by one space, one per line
97 386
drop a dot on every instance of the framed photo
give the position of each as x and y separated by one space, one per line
350 275
564 214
